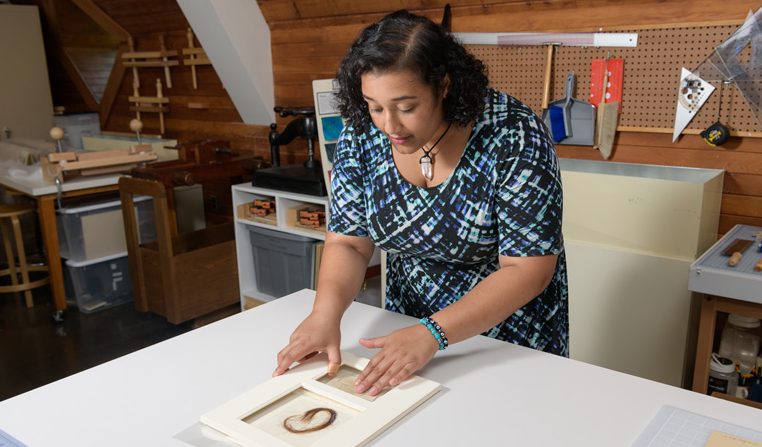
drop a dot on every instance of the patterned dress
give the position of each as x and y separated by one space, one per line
504 197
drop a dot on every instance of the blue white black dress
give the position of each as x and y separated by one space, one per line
504 197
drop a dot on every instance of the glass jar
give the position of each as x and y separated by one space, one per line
740 342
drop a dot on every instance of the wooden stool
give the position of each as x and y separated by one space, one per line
12 212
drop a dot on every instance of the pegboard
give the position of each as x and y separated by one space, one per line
651 77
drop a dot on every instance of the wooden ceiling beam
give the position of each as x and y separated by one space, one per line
102 19
112 87
76 77
51 17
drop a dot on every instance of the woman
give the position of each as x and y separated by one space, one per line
459 184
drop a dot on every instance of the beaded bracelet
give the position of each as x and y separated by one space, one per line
436 331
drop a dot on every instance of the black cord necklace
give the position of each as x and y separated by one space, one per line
427 161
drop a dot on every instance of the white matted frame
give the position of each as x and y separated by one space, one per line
256 417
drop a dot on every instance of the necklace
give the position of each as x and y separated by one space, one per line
427 161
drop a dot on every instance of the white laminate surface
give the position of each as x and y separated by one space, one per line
494 393
35 186
29 179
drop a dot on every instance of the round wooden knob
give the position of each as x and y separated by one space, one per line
56 133
136 125
183 178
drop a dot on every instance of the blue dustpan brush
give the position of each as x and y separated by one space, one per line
557 126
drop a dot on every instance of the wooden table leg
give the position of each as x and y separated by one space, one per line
710 307
47 212
707 325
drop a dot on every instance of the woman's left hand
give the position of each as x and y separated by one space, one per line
403 352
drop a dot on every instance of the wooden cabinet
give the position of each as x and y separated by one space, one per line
726 290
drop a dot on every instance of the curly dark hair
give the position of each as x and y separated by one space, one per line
405 41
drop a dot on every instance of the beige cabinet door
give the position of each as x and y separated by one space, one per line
26 107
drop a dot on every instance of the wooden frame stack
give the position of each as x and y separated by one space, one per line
142 59
194 56
149 104
62 164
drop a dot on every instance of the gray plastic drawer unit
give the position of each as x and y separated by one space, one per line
283 262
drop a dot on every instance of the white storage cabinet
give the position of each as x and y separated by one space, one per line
284 221
631 232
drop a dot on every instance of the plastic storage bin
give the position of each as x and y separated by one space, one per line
740 342
283 263
99 283
95 230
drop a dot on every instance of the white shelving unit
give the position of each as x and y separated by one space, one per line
285 220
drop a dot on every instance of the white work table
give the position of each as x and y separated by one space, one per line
494 393
46 193
35 187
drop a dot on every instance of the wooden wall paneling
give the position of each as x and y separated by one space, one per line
77 79
50 12
342 33
559 15
744 184
63 90
517 15
155 23
112 87
90 63
145 16
732 161
81 44
727 222
742 205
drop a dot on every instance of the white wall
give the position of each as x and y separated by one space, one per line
236 38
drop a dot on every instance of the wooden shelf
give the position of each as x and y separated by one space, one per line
737 400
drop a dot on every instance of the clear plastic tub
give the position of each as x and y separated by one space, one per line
101 283
96 229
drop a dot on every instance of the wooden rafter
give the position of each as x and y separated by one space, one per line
116 75
102 19
76 77
112 87
49 10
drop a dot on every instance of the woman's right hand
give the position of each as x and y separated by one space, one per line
319 332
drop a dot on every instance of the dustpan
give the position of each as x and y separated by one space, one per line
580 115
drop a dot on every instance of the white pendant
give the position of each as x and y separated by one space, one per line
426 167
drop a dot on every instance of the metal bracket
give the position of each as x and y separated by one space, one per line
59 191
